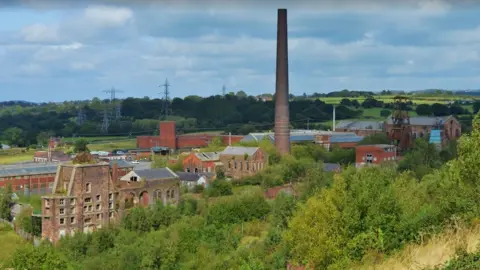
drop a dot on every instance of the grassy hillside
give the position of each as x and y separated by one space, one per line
435 252
9 242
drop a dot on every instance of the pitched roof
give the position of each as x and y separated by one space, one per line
208 156
359 125
239 150
156 174
56 155
193 177
424 120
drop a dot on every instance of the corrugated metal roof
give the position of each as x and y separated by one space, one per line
238 151
208 156
302 138
345 138
359 125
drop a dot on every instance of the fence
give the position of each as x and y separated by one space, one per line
25 235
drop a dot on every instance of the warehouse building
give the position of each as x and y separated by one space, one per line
38 178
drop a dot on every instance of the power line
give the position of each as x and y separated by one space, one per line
81 117
105 122
117 106
166 97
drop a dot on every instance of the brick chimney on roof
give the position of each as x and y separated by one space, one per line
282 117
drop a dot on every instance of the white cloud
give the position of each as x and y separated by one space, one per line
106 16
39 33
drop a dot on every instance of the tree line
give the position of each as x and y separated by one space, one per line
26 124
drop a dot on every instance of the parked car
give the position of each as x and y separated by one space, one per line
135 162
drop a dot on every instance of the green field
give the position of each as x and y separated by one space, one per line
9 242
15 155
114 144
96 139
389 99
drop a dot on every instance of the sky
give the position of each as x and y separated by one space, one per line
60 50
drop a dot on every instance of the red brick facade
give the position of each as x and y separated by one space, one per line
360 132
168 138
36 183
195 163
374 154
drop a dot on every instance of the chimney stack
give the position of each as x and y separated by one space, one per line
282 118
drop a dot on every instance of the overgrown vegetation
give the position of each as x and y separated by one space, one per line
337 221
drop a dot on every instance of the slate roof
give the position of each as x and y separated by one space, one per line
43 168
208 156
193 177
360 125
331 167
156 174
424 120
239 150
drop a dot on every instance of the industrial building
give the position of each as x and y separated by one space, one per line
360 128
86 197
243 161
296 136
38 178
422 126
168 138
202 162
374 154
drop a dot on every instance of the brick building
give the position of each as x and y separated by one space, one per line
360 128
86 197
422 126
202 162
243 161
56 156
374 154
147 187
168 138
330 139
38 178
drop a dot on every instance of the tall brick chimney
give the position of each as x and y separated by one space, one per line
282 117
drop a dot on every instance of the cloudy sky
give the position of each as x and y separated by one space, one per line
53 52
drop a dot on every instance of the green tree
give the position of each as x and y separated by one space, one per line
80 145
6 202
13 136
379 138
43 137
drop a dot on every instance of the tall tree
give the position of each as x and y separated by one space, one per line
6 202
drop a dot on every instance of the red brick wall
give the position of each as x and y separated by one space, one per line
34 181
169 138
191 162
379 153
167 134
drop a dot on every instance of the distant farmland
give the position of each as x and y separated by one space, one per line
389 99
